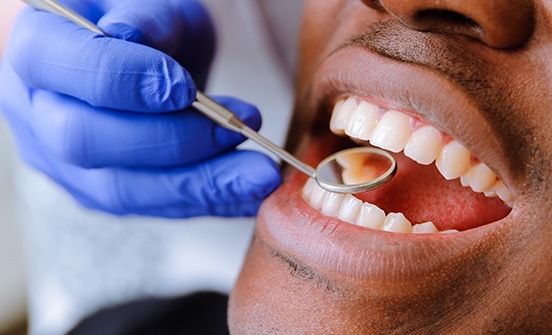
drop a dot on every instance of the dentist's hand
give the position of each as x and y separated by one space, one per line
108 118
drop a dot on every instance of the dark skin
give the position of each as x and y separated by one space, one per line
480 72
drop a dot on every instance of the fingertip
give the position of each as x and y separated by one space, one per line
243 180
260 177
252 117
126 21
124 31
187 90
224 138
247 112
176 91
196 14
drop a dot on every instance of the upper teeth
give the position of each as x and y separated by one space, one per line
395 131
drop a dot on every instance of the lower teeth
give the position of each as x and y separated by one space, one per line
352 210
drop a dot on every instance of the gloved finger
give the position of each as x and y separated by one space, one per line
234 184
91 137
51 53
169 26
181 29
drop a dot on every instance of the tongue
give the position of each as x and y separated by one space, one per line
422 194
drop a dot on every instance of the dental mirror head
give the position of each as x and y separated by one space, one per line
356 170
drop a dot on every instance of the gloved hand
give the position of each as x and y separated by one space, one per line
108 118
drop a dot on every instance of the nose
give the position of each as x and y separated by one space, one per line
497 23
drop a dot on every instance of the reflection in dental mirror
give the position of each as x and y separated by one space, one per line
356 170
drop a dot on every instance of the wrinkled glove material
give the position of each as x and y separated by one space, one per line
108 118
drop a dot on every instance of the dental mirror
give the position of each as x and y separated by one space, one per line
356 170
349 171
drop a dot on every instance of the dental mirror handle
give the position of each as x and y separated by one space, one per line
56 8
203 103
229 120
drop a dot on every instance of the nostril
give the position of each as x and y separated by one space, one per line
498 23
447 21
444 16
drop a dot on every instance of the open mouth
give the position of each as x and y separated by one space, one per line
440 186
397 229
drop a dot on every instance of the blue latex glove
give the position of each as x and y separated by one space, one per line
107 118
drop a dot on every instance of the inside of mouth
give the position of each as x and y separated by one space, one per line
422 194
419 191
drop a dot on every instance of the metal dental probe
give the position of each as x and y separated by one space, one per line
328 174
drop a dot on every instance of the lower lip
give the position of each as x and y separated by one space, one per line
287 223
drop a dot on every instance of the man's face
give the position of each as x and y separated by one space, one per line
464 82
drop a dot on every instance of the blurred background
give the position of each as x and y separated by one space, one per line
12 278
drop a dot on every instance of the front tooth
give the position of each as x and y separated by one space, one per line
362 121
331 204
453 161
392 131
340 115
370 216
424 145
308 188
490 193
397 223
481 178
424 228
349 208
464 180
317 197
503 192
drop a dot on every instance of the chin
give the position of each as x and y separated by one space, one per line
454 244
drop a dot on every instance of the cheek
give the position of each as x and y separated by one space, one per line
325 26
312 31
260 292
